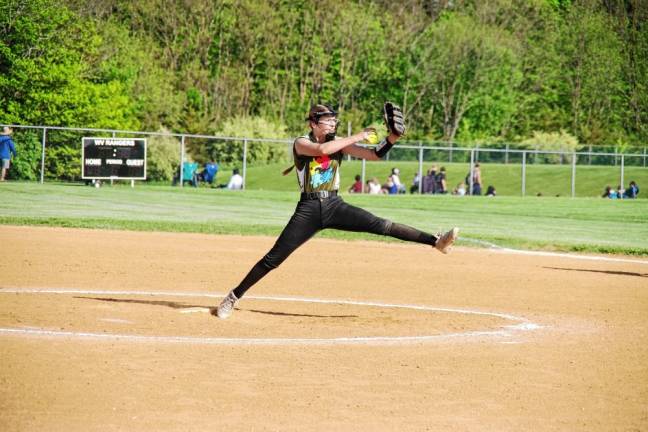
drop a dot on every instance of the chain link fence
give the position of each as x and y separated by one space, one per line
47 153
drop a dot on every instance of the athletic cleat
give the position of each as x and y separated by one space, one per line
444 242
226 307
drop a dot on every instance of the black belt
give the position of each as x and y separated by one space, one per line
318 195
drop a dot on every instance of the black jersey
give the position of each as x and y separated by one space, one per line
318 173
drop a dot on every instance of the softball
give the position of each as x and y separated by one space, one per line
372 138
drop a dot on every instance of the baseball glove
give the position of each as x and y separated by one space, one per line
394 119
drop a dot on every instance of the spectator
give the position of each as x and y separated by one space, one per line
606 192
373 187
632 191
208 175
415 183
477 180
460 190
357 186
609 193
620 192
395 176
7 148
490 191
236 181
440 186
390 187
428 180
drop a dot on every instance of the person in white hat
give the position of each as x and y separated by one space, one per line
7 148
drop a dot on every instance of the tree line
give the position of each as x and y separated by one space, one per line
474 71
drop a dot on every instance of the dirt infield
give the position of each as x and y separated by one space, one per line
110 330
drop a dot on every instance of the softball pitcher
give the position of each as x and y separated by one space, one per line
317 158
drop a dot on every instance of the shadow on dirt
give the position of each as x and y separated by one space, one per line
182 305
612 272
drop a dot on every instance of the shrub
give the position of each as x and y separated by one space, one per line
163 158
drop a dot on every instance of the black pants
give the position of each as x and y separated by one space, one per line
314 215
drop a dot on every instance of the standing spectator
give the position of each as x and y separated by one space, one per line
632 191
440 185
357 186
477 180
395 178
236 181
7 148
428 180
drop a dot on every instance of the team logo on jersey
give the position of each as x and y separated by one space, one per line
321 171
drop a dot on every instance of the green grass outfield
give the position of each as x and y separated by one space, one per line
549 180
547 223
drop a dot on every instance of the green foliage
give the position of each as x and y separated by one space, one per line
163 158
474 71
26 165
63 162
231 152
551 141
46 73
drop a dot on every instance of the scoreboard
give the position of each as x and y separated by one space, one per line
113 158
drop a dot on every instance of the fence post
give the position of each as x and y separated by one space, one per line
349 134
364 169
616 156
245 151
622 171
506 157
523 173
644 158
573 176
182 150
472 167
420 168
42 173
590 155
450 154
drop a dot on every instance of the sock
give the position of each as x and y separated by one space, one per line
255 275
408 233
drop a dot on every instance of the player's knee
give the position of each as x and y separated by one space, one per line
386 227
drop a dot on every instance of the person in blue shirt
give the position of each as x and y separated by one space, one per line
6 149
632 191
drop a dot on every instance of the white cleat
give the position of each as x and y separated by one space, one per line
226 307
445 241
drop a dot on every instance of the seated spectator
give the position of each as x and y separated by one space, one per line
490 191
395 177
236 181
373 187
415 184
208 175
357 186
632 191
620 192
460 190
609 193
390 187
